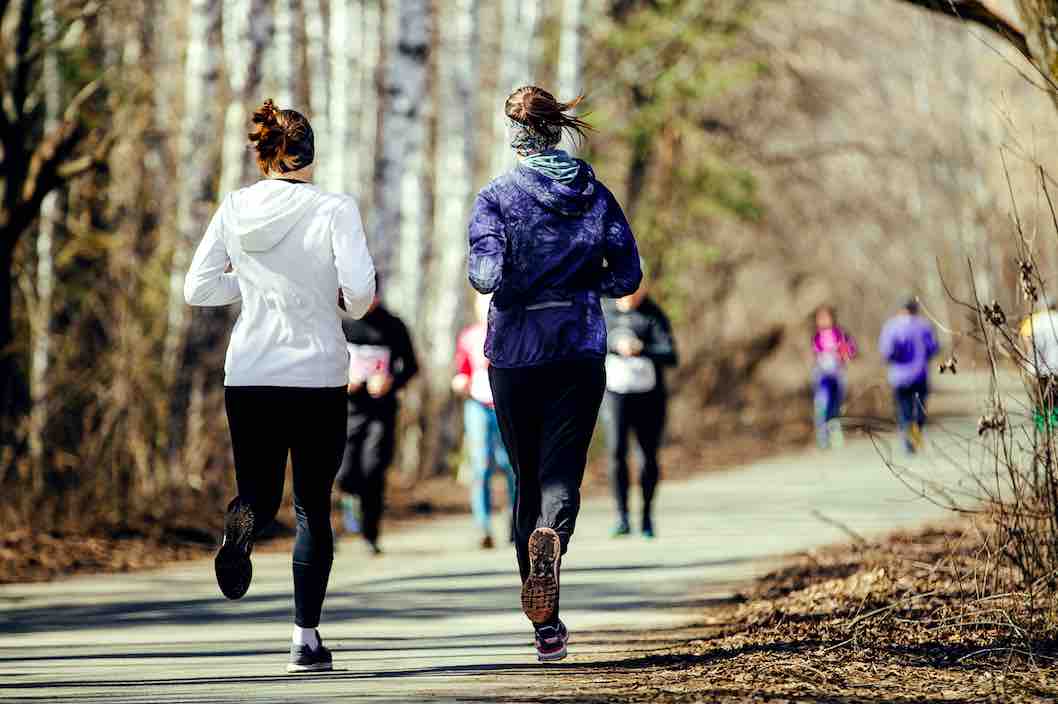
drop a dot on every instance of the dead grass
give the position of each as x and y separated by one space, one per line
899 620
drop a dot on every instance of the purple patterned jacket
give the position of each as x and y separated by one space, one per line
549 252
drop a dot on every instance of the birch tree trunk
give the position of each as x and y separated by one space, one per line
195 200
569 57
455 153
248 27
286 80
342 162
370 60
319 83
195 193
399 199
458 66
51 83
517 33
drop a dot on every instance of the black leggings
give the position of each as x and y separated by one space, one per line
644 415
547 415
911 404
368 453
266 423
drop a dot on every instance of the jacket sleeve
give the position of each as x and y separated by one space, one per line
622 273
208 283
851 350
932 348
488 244
661 348
462 360
885 344
404 366
356 270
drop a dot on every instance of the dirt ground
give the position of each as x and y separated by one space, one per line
898 620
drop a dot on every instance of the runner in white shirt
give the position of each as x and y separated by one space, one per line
296 258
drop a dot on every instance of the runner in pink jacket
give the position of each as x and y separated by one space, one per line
485 451
833 348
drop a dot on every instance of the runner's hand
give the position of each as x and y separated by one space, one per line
354 386
379 385
629 347
461 384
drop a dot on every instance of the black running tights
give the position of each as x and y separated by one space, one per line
267 423
546 416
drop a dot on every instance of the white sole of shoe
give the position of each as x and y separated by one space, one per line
540 590
552 657
322 667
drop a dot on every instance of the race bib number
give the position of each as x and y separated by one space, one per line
366 361
630 375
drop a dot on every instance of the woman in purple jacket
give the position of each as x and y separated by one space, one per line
549 241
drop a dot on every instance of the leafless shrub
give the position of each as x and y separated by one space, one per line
1011 479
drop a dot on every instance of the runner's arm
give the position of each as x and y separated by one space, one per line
404 366
356 270
661 347
622 274
208 281
488 244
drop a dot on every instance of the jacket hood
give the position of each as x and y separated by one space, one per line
573 199
263 214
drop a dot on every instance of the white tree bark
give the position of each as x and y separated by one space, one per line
459 66
280 81
197 142
517 33
317 42
399 193
367 144
248 28
40 358
342 163
570 59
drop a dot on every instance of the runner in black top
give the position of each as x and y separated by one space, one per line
640 347
382 361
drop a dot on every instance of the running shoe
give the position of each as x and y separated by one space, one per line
835 434
915 435
306 659
486 543
540 590
349 515
551 642
374 547
232 563
648 527
621 529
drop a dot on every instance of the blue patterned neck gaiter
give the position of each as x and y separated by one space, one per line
555 164
527 140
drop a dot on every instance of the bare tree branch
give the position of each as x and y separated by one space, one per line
979 12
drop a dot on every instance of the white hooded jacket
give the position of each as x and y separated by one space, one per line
291 247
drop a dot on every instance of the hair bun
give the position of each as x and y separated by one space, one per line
267 115
283 139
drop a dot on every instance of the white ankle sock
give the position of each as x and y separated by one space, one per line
306 636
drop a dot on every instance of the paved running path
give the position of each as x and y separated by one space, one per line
436 619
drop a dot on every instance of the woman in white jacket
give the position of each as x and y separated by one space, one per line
296 258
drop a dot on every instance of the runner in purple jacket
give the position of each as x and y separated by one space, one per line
907 344
549 241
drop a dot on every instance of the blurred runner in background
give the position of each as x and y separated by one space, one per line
640 346
907 344
381 362
1039 334
833 349
485 449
